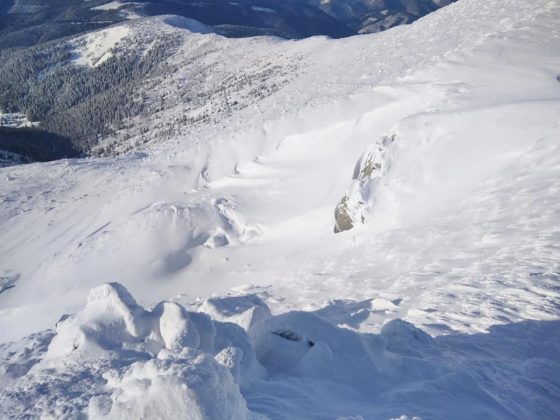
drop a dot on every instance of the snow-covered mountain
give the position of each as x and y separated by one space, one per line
26 22
83 68
431 149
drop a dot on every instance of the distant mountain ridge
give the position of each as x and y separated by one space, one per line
51 72
28 22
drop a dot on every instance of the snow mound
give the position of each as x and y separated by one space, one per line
113 321
242 310
122 360
192 386
117 359
185 227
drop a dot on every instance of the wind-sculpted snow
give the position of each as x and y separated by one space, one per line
443 304
116 359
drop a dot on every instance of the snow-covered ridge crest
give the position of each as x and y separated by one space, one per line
112 5
95 48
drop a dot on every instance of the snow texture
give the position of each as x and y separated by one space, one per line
442 301
115 359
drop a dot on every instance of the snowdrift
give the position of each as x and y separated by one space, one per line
116 359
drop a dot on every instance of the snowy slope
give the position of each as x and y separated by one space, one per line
95 48
461 212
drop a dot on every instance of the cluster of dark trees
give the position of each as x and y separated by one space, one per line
24 23
35 145
75 104
33 79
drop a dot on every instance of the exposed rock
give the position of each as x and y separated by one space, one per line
355 205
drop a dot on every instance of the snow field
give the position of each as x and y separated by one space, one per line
95 48
443 305
472 175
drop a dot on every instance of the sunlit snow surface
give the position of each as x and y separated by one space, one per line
462 240
95 48
114 359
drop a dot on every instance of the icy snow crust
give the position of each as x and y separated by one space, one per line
455 231
115 359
